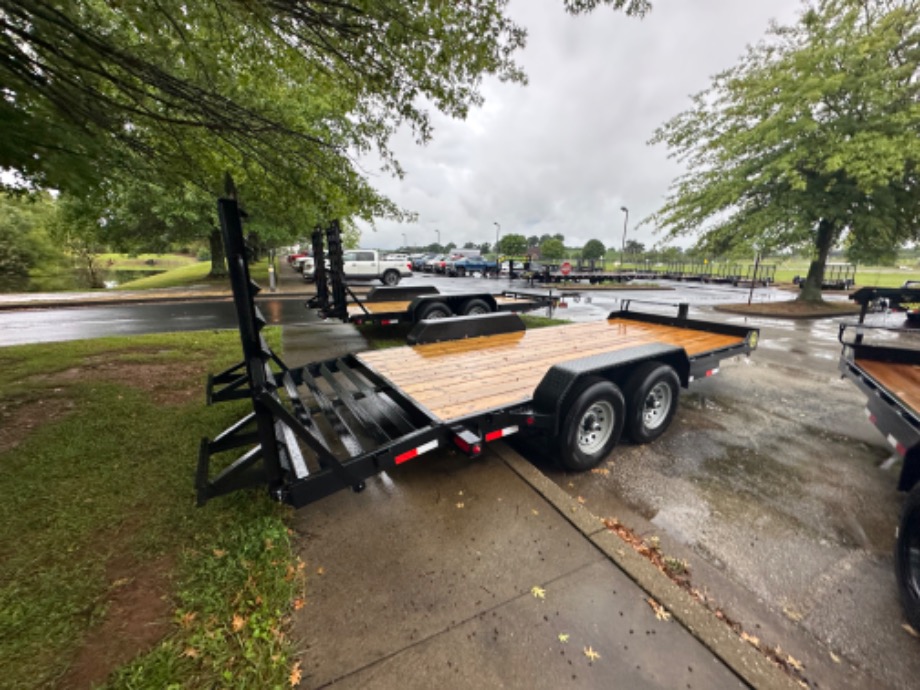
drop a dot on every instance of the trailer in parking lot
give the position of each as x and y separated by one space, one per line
388 306
324 426
884 363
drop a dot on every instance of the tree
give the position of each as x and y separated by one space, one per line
25 243
552 249
816 133
634 247
559 236
469 245
485 248
512 245
593 249
280 92
533 241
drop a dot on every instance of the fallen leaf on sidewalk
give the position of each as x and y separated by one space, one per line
795 663
238 622
460 505
910 630
591 654
563 637
792 614
660 612
538 592
750 639
581 500
534 511
600 470
834 658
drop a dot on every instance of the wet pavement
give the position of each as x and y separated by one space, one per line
771 484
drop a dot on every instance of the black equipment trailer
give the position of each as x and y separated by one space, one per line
387 306
324 426
884 363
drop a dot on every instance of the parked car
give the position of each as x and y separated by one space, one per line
298 260
418 263
366 264
429 265
475 266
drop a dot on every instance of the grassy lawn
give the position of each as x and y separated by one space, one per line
870 275
195 274
109 574
145 262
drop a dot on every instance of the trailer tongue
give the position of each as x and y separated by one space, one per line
325 426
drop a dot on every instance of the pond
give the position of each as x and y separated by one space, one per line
115 278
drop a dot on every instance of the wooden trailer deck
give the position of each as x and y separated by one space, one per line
901 380
457 378
401 306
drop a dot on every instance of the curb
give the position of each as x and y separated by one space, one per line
744 660
141 299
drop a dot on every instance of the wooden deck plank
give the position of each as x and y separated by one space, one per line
902 380
458 378
378 307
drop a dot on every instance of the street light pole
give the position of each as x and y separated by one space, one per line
625 222
498 229
405 241
439 236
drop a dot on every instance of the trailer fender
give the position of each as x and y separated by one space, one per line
399 293
554 392
465 327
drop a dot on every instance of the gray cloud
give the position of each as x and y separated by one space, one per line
564 153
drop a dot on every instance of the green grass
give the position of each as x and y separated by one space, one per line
145 262
193 274
104 477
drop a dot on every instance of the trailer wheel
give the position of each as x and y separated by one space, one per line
390 278
475 307
651 398
907 557
434 310
592 426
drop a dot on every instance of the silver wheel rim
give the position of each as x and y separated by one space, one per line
477 274
476 311
435 315
595 427
657 405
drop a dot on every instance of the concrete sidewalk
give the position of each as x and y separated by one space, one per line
451 573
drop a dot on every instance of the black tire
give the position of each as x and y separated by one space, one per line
597 402
434 310
907 557
475 307
651 400
390 278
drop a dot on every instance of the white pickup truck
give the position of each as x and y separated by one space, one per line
366 264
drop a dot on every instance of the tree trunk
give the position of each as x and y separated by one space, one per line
811 290
218 258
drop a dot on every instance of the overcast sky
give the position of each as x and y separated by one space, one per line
565 152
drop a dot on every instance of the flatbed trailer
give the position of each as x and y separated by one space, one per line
387 306
884 363
324 426
409 305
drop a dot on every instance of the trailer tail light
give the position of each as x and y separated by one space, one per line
388 322
531 420
415 452
898 447
871 417
501 433
712 372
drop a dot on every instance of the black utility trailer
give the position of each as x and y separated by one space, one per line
324 426
884 363
409 305
386 306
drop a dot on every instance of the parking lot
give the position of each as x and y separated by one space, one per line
771 484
